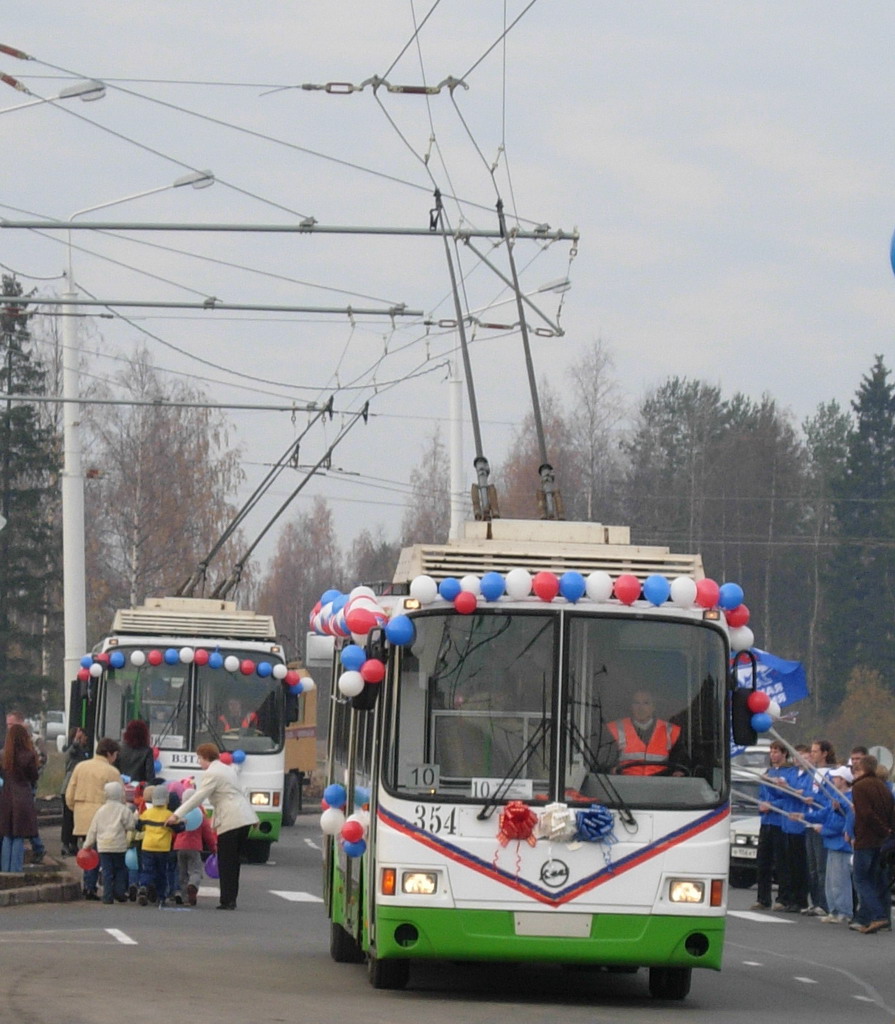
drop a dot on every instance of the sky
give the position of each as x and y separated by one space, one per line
729 167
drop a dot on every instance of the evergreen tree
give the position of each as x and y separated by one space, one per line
30 554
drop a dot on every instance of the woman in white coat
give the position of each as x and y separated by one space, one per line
233 817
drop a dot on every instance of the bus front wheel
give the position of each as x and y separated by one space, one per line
669 982
387 973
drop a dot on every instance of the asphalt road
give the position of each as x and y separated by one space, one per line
84 963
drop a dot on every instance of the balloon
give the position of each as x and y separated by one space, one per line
239 756
155 751
103 658
762 721
331 821
737 617
355 849
572 586
226 757
172 656
471 583
656 589
247 667
87 661
424 589
465 602
117 659
279 671
86 859
545 585
599 586
361 796
372 671
96 669
741 639
758 701
138 659
351 684
335 795
155 657
83 675
215 660
492 586
730 595
192 819
352 657
683 592
352 831
627 588
296 689
362 591
200 657
187 655
264 668
211 866
449 588
361 618
308 685
157 766
518 584
231 663
329 595
400 630
774 709
291 677
132 859
707 592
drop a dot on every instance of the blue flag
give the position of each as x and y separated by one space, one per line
783 681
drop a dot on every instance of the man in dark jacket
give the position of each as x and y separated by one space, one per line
874 821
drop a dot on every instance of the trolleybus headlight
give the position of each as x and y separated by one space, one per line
685 890
419 883
257 798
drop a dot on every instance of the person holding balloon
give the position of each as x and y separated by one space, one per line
85 794
110 835
233 817
198 835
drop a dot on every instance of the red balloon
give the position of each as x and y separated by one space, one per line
545 585
360 620
707 593
627 588
465 602
291 678
352 831
155 752
758 701
103 658
247 667
87 860
83 675
227 757
155 657
737 617
372 671
201 656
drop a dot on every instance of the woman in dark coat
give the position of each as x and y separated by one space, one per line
18 815
78 750
136 759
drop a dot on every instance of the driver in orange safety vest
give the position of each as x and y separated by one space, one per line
234 711
644 742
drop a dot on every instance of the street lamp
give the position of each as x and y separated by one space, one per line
74 590
88 91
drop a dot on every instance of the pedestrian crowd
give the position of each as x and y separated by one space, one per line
827 836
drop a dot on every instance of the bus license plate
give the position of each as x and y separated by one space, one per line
749 852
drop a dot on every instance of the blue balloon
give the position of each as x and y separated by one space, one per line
335 795
329 595
762 721
192 819
132 859
157 765
264 668
125 779
239 756
449 588
361 796
656 589
572 586
493 586
400 630
117 659
296 689
215 660
87 661
352 657
339 603
355 849
730 596
172 656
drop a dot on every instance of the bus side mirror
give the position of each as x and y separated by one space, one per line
366 699
740 713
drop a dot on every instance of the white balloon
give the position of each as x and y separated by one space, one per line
683 592
351 684
741 639
138 659
187 654
96 670
424 589
308 685
599 586
331 821
361 592
473 584
774 709
231 663
518 584
279 671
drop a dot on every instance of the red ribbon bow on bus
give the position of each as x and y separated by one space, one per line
517 821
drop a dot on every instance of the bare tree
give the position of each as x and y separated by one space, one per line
427 517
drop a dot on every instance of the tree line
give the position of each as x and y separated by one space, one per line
800 514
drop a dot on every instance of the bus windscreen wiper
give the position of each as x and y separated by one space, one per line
604 779
515 770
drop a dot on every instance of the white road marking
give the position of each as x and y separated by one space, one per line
124 939
805 981
752 963
297 897
754 915
312 844
864 999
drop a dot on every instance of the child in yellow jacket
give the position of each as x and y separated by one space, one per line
157 844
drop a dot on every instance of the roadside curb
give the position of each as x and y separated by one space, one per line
67 891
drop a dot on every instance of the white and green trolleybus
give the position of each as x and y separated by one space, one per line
503 819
